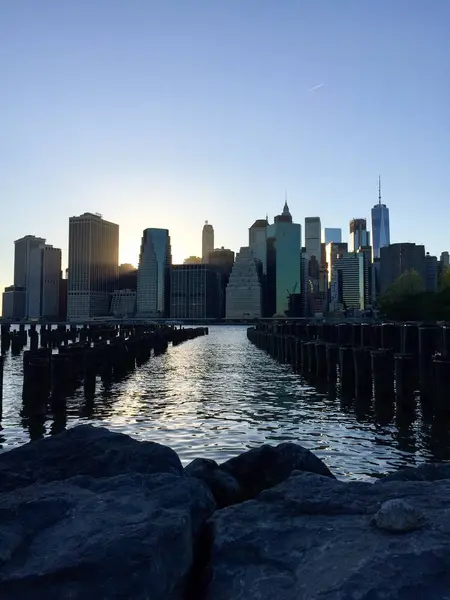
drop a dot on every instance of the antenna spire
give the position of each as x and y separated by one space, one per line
379 189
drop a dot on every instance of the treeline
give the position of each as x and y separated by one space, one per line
407 300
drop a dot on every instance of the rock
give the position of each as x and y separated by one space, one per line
224 487
425 472
130 536
311 537
266 466
398 516
84 450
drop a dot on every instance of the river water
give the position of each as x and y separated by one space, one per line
218 395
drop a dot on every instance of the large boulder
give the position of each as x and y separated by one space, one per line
224 487
266 466
313 537
84 450
130 536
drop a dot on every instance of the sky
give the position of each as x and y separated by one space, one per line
167 113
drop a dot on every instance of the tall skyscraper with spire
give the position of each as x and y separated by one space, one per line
380 225
283 261
207 241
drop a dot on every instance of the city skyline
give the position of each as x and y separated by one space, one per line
145 127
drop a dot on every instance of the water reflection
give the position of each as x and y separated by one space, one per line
218 395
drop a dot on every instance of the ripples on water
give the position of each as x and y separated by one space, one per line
218 395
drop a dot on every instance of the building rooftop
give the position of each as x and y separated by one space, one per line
259 223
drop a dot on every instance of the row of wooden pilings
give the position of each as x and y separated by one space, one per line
367 360
51 374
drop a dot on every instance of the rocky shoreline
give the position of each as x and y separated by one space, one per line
93 514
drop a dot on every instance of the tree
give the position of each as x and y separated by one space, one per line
408 283
444 279
404 299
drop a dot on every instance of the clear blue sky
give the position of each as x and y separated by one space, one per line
166 113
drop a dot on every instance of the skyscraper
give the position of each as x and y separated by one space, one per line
207 241
350 282
380 225
93 266
153 285
312 238
359 236
257 241
244 297
331 235
45 277
194 292
23 273
284 260
396 259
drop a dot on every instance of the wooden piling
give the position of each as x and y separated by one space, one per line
363 374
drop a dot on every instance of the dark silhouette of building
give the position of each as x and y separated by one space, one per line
398 258
222 260
63 299
431 273
194 292
14 299
127 277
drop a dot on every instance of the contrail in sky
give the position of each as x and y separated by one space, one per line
316 87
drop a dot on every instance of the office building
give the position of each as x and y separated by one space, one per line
431 273
313 238
127 277
359 236
194 292
123 303
445 259
283 260
350 283
63 299
380 225
44 282
153 284
222 259
13 302
331 235
396 259
23 273
93 266
244 292
207 241
332 251
257 241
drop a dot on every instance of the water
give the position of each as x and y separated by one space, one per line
218 395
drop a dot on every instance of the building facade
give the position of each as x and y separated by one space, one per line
396 259
350 283
359 236
13 302
44 279
257 241
153 281
284 260
380 225
93 266
331 235
23 272
332 251
244 291
313 238
431 273
195 292
207 241
123 303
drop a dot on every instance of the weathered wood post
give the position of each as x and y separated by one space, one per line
363 375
